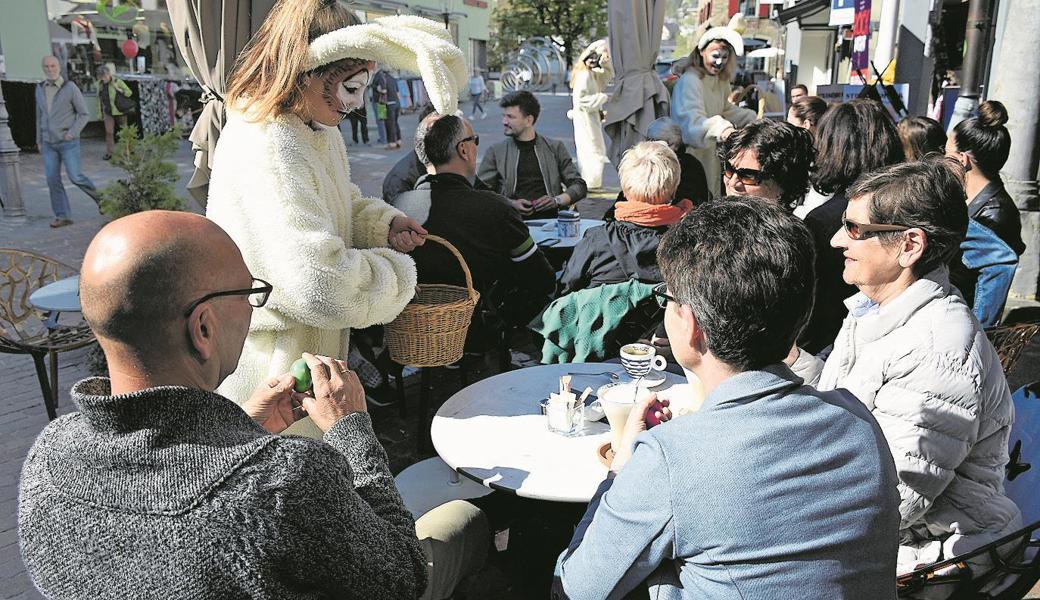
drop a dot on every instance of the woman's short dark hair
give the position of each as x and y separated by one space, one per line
785 153
809 108
920 137
745 267
853 138
927 194
986 138
525 101
442 137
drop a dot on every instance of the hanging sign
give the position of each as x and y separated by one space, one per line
842 12
861 36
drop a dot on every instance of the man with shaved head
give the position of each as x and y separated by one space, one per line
158 486
61 114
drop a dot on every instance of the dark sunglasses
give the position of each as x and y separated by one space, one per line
745 176
862 231
662 296
257 296
474 138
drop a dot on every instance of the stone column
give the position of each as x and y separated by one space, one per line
1016 83
10 180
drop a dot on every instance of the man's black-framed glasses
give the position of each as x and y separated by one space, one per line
256 296
662 296
745 176
474 138
862 231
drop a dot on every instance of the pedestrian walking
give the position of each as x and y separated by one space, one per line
386 87
61 114
379 108
477 89
359 120
113 93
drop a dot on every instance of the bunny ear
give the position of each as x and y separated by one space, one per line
406 42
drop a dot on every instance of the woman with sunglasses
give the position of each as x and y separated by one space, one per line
853 139
911 350
770 160
281 180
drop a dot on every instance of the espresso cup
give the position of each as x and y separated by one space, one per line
639 359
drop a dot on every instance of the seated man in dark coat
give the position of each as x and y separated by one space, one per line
489 233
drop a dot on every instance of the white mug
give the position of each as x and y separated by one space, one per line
639 359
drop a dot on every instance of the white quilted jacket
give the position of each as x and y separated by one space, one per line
934 383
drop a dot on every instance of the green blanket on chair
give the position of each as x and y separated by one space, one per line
577 326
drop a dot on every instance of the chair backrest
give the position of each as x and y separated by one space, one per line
1023 484
1009 342
21 274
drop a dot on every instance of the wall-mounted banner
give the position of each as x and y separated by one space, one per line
861 37
842 12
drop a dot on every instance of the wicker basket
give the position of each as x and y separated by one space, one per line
431 330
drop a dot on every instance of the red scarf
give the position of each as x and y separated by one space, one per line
651 215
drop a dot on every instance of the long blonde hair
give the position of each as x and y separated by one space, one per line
268 75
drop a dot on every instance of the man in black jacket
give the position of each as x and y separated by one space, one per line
403 176
495 243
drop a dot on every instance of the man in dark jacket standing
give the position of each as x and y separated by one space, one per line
61 114
534 172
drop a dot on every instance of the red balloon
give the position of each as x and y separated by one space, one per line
129 48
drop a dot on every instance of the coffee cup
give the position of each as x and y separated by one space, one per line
638 360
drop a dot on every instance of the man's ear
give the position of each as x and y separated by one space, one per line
692 333
202 332
912 247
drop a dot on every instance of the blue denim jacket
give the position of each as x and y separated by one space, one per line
771 490
989 266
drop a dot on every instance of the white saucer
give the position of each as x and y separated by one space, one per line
651 379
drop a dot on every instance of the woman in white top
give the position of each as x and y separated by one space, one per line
281 180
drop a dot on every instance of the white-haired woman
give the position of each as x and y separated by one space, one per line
281 180
912 352
700 104
589 77
626 248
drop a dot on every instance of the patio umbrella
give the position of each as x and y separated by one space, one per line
639 96
209 35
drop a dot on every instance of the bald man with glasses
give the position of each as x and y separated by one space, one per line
158 485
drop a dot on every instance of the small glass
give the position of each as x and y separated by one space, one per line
563 417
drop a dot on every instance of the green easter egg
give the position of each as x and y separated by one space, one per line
302 373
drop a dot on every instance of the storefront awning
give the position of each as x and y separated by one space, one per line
805 8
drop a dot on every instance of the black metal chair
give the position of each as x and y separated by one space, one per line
23 329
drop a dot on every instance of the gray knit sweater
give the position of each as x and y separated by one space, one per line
174 492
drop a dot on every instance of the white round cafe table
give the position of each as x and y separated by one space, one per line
60 296
543 232
494 433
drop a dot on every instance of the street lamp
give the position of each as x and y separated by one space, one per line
10 181
446 13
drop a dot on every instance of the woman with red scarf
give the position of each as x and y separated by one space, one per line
627 247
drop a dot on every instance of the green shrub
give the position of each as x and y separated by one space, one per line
151 178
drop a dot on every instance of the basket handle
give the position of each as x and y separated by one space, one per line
462 262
